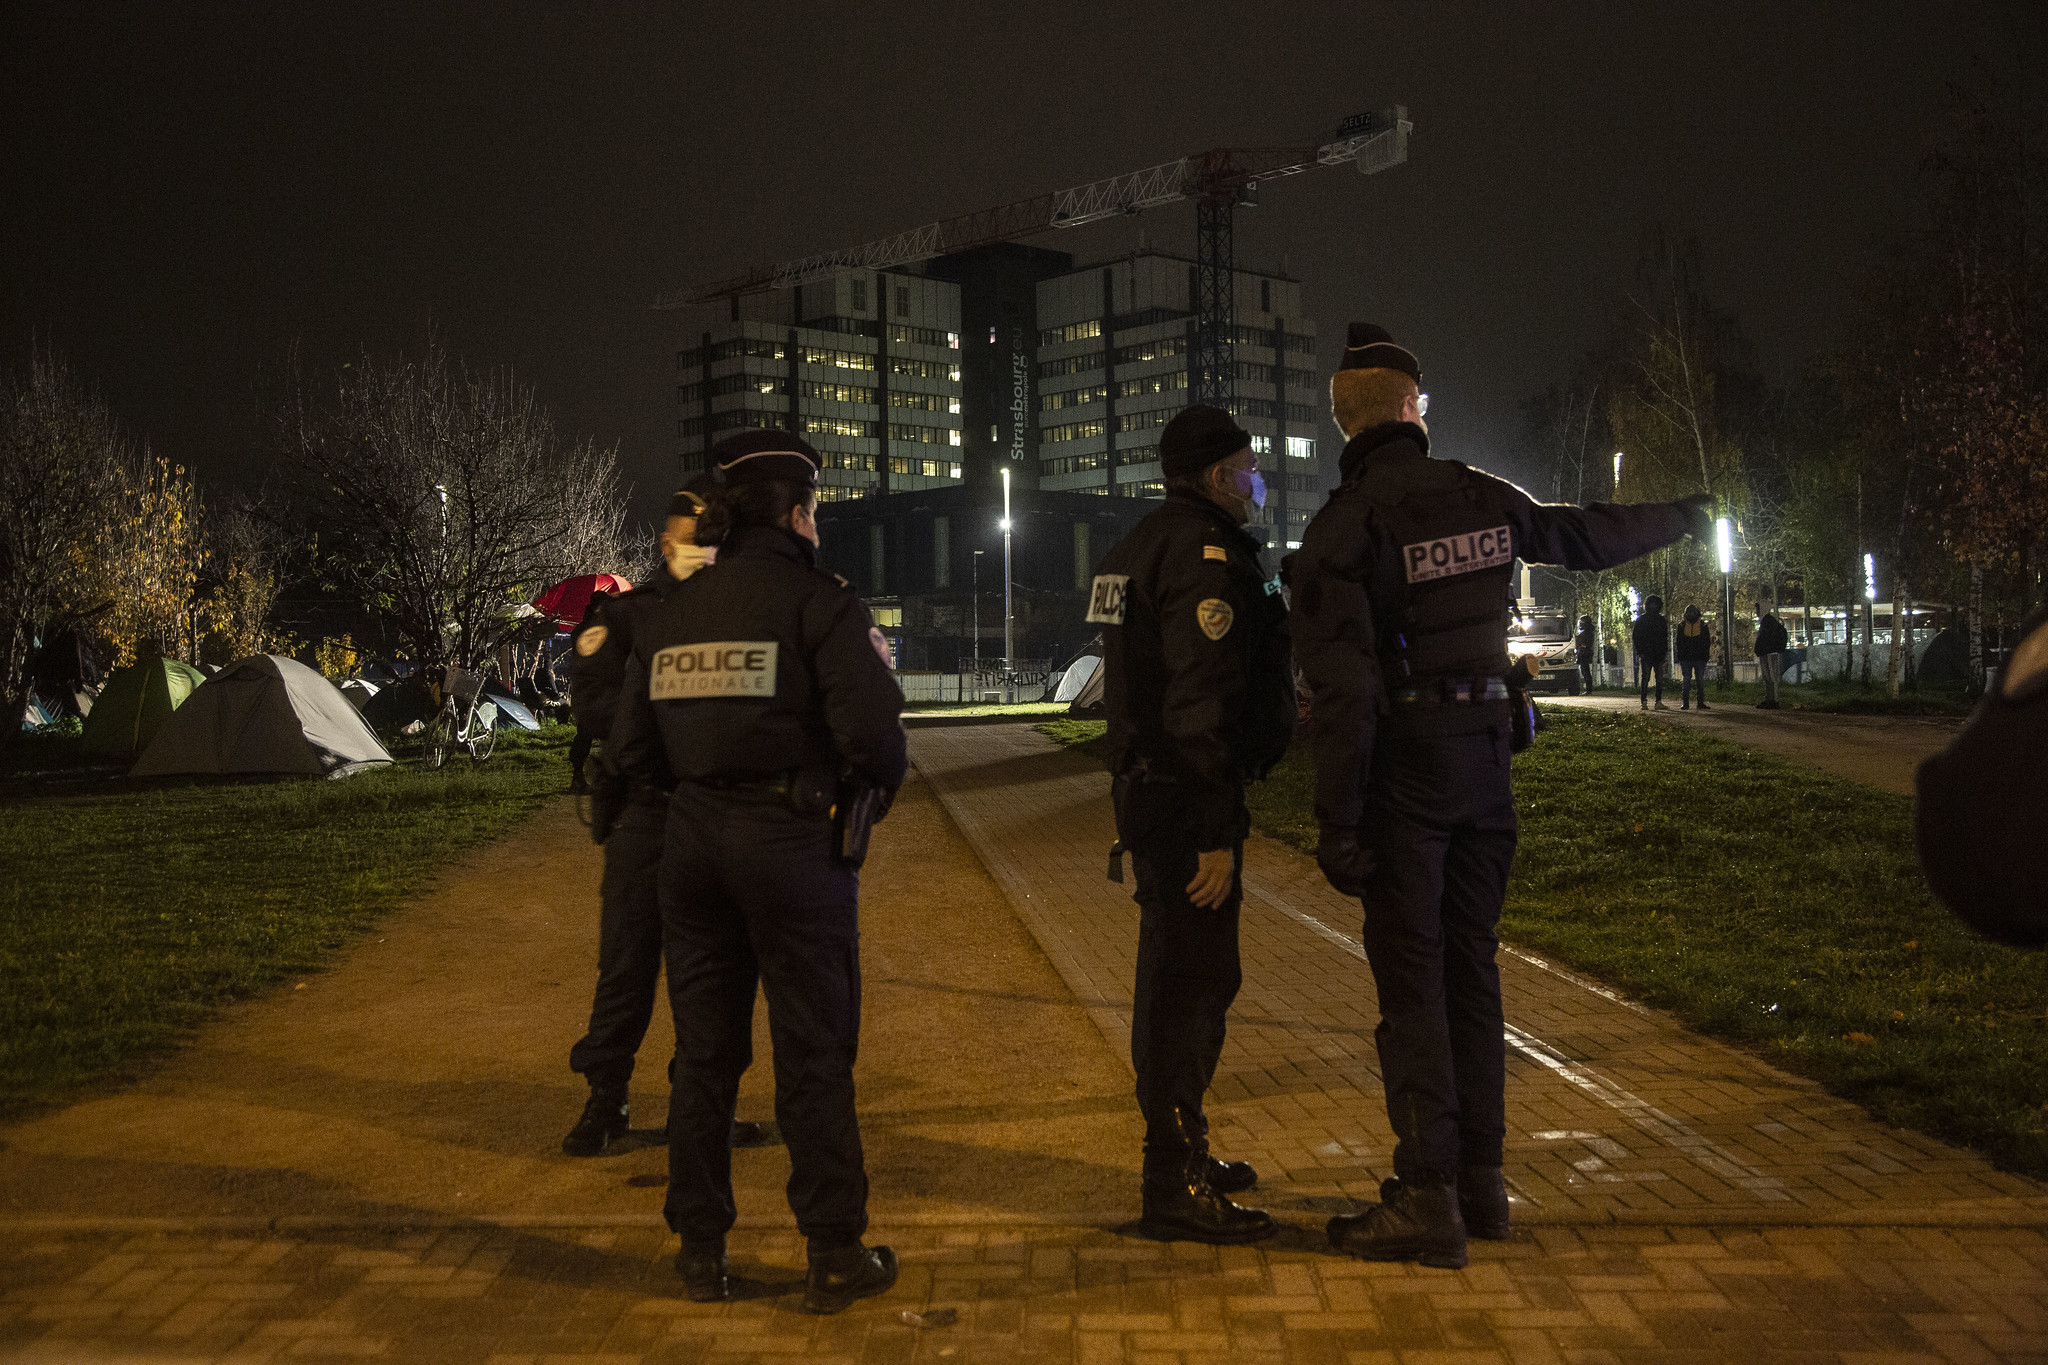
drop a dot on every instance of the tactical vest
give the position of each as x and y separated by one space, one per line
1441 605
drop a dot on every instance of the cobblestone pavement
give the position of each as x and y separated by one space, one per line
1883 751
1678 1200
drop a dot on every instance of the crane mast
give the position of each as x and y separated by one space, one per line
1218 181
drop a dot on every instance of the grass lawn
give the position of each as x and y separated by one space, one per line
1765 904
1017 708
128 910
1829 696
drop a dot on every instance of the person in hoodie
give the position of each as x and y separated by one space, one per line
1692 647
1652 640
1587 648
627 820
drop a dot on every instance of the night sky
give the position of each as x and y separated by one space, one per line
190 192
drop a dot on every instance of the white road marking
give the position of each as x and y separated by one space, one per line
1644 1115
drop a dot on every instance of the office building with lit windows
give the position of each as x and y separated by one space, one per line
922 387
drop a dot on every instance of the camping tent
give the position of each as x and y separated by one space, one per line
359 690
512 712
264 715
1079 674
1087 701
135 703
570 598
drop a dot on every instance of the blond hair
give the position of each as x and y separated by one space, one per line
1366 398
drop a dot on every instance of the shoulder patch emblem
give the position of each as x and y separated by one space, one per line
1214 616
881 644
1106 599
591 640
1216 552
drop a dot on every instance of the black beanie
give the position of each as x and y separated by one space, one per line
757 455
1369 347
1199 437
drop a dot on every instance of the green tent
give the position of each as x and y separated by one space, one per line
135 703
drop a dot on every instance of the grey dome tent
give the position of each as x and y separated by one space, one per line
265 714
1087 698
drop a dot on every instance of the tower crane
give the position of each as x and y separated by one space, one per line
1218 180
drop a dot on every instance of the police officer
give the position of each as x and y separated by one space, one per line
1400 595
627 820
766 689
1199 693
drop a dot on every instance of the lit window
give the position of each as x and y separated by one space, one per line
953 433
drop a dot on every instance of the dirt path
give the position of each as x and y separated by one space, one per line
426 1073
1882 751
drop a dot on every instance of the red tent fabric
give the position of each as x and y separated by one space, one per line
570 598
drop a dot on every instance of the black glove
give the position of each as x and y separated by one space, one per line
1345 865
1699 516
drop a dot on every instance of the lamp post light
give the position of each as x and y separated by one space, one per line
1009 640
976 577
1617 473
1724 550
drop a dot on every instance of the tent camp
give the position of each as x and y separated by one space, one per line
135 703
569 599
512 712
1087 698
359 691
264 715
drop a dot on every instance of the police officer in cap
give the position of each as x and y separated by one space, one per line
766 690
627 818
1199 693
1400 597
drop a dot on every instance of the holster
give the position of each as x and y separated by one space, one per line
1522 719
608 796
859 806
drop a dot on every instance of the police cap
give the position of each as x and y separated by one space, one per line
1199 437
758 455
1370 347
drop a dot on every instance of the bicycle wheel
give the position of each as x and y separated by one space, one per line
438 741
483 736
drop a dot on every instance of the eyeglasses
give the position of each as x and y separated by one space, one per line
1422 405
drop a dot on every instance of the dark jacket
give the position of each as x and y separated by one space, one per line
1651 637
1585 646
759 666
1354 575
602 645
1770 635
1197 682
1695 648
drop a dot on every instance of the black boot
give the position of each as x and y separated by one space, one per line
702 1266
604 1121
1410 1223
839 1275
1228 1177
1483 1203
1180 1203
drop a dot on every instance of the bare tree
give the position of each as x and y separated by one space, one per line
442 500
61 467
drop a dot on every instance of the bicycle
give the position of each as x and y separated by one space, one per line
467 720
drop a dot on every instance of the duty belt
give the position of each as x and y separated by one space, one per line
1450 692
774 785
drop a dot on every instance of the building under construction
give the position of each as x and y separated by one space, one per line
919 386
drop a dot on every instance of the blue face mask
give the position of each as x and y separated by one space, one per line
1251 486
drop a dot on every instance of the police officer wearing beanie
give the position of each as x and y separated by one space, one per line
1200 699
765 689
1400 596
627 818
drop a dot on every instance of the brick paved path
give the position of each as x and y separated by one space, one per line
1681 1202
1615 1113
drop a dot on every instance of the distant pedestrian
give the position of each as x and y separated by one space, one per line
1770 652
1693 647
1652 640
1587 646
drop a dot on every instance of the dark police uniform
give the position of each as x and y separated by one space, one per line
1199 693
1981 819
629 925
1400 597
761 681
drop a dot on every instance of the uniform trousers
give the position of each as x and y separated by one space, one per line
628 948
1440 824
750 891
1188 971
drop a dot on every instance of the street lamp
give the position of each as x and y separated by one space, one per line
1617 473
976 576
1724 550
1009 642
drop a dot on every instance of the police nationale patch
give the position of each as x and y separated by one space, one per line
1216 552
1106 599
1451 555
721 668
1214 616
591 640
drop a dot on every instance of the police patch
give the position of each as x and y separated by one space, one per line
1214 616
1106 599
722 668
1216 552
591 640
1467 553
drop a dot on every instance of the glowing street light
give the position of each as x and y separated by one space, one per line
1009 639
1724 544
1870 578
1724 548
